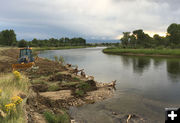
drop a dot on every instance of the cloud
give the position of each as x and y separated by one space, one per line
100 19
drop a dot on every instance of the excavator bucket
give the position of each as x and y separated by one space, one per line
22 65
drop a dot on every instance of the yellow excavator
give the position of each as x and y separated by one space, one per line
25 59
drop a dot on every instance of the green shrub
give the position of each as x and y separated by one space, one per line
79 93
59 118
84 86
50 118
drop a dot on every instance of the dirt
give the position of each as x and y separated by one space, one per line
8 57
60 78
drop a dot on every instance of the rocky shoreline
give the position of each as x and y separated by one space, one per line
65 95
55 87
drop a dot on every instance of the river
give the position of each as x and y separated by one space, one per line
145 85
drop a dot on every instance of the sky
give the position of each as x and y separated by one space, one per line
90 19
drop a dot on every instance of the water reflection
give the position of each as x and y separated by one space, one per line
140 64
173 69
158 61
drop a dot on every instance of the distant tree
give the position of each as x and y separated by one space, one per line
133 41
158 40
125 39
142 39
22 43
35 42
174 33
7 37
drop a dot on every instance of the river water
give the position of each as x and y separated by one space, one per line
145 85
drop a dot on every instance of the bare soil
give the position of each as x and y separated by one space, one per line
41 99
63 82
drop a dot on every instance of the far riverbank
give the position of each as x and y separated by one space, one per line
59 48
144 52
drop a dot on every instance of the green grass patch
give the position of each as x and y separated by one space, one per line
59 118
173 52
76 79
70 83
83 86
53 87
41 80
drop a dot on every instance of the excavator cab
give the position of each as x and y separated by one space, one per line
25 55
25 59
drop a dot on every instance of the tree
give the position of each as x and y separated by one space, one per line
7 37
125 39
142 39
22 43
174 33
158 40
34 42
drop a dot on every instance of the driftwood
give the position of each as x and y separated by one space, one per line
112 84
90 77
68 65
129 117
83 73
76 71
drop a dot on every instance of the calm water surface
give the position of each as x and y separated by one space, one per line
145 85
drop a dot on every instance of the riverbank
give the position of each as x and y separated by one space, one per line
144 52
59 48
53 88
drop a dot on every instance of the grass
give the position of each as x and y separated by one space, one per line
41 80
53 87
11 87
170 52
59 118
83 86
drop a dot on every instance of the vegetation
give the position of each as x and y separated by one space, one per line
139 42
60 59
59 118
10 103
22 43
8 38
53 87
84 86
56 48
174 52
139 39
79 93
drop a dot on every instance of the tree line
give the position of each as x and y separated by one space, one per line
139 39
8 38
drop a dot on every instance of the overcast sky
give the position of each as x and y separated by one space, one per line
90 19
